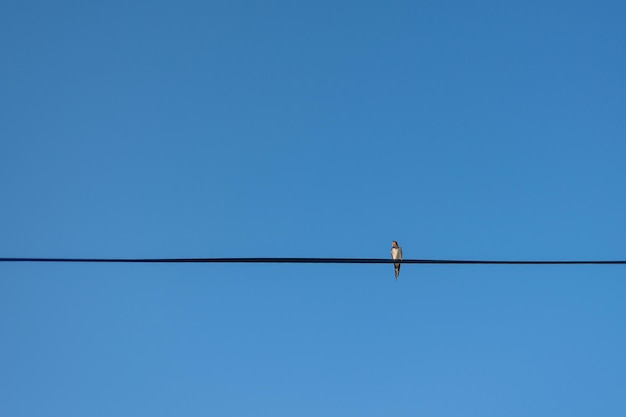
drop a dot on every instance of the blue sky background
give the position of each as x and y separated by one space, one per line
468 130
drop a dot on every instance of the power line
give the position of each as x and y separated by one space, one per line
309 261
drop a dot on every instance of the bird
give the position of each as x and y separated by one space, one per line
396 253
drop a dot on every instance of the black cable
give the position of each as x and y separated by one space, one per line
307 261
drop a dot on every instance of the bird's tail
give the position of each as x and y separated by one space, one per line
396 268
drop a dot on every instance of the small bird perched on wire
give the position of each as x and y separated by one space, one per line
396 253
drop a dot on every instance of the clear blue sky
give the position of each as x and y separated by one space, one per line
468 130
